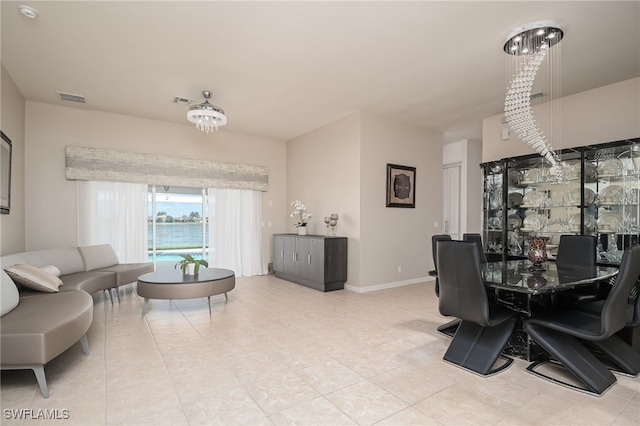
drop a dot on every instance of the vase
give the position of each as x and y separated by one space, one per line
538 251
302 230
191 268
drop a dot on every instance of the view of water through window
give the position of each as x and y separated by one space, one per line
179 225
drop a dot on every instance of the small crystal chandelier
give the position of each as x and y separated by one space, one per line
533 71
206 116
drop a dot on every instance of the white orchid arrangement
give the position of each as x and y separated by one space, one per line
300 213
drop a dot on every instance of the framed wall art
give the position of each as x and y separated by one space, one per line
401 186
5 174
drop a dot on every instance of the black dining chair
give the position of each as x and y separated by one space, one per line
476 238
560 332
615 346
486 327
449 328
577 251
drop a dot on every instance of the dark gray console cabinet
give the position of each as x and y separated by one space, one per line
314 261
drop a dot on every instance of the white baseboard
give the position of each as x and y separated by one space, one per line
388 285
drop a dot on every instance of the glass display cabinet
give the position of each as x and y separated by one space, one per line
595 191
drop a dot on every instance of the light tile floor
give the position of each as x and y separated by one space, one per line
279 353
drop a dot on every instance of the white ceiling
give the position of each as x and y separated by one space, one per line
281 69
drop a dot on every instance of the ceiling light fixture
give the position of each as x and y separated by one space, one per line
207 117
533 67
27 11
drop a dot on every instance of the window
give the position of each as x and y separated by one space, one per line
180 225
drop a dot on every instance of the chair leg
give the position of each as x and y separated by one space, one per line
449 329
117 289
477 348
623 355
574 357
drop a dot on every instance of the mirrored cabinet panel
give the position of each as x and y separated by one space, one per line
594 191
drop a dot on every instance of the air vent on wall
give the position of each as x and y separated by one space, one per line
71 97
181 100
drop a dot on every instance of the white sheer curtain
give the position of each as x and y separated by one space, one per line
114 213
235 231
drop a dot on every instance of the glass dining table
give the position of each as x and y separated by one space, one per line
517 286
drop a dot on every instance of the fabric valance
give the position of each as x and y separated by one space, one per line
115 166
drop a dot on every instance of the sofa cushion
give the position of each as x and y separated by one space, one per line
34 278
9 296
98 256
43 326
127 273
52 269
90 281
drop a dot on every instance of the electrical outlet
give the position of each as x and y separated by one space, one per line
399 269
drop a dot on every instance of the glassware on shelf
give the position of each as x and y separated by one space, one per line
608 223
611 195
611 167
573 197
327 221
613 254
515 177
531 176
333 221
495 198
574 222
534 222
515 248
533 199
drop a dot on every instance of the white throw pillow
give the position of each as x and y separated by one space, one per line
34 278
9 296
52 269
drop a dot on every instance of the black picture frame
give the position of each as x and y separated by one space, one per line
401 186
5 174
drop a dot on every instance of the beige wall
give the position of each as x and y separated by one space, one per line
392 237
605 114
341 168
51 219
323 171
12 226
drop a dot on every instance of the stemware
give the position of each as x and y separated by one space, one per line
327 221
333 221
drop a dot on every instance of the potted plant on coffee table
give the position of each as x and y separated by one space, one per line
189 265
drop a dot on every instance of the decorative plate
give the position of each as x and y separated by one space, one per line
608 223
612 194
514 200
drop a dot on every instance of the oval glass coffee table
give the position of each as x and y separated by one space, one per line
174 284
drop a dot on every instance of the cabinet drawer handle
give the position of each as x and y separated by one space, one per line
281 254
308 258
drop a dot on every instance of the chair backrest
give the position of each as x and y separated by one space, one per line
577 250
462 292
434 251
477 238
434 247
613 312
